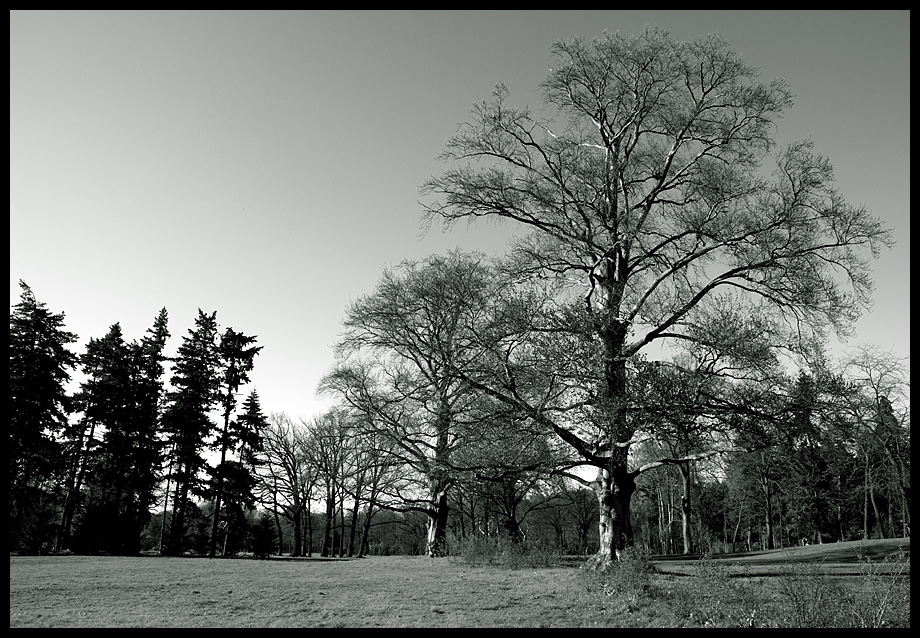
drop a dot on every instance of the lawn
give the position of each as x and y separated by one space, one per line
102 591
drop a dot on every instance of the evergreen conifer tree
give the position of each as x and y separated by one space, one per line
40 366
237 354
187 420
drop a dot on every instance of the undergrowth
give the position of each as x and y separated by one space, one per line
717 594
483 551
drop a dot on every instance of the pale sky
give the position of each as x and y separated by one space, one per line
266 165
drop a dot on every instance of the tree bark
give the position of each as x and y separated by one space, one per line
685 506
215 522
437 517
328 542
879 520
768 505
614 487
279 528
309 551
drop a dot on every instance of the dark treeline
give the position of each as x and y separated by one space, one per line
88 468
131 463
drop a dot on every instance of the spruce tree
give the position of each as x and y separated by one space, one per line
187 420
237 354
114 449
148 359
40 366
97 445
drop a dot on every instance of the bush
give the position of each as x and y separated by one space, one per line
880 599
713 597
632 573
618 590
810 599
264 536
501 551
883 599
717 594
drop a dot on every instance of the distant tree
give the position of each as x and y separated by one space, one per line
106 402
249 431
148 358
683 406
379 472
399 353
40 368
877 406
239 477
187 420
504 463
647 202
287 477
327 449
82 439
264 535
237 359
115 445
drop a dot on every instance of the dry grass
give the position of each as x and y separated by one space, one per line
72 591
79 591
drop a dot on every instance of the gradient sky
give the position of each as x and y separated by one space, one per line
266 165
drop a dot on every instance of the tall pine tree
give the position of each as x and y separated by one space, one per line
237 354
148 359
187 420
95 444
40 366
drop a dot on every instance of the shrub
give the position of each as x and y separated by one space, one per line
619 590
712 596
883 598
880 599
810 599
632 573
264 536
501 551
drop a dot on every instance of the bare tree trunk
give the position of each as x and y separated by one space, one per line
738 523
279 528
342 518
309 530
671 541
328 542
437 517
165 506
768 504
685 506
218 495
879 520
352 532
866 498
779 519
662 531
366 531
298 530
75 485
614 488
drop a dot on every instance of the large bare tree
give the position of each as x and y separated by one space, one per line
644 190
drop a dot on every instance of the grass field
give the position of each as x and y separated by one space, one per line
793 587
